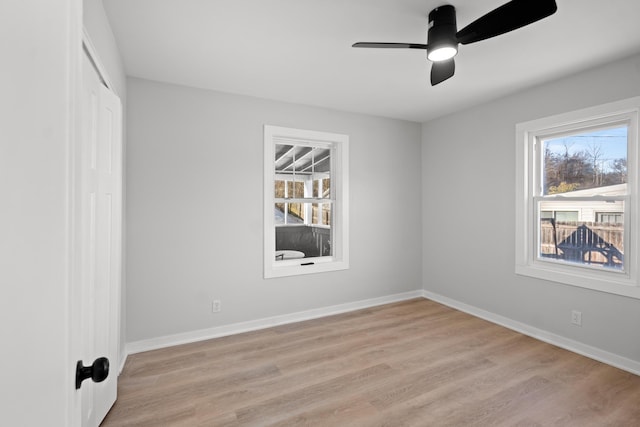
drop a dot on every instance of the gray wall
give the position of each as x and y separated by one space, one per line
194 210
468 196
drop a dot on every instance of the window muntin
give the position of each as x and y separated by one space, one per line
603 204
306 193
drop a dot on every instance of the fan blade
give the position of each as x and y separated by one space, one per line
508 17
441 71
391 45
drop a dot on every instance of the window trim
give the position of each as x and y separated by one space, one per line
526 260
339 187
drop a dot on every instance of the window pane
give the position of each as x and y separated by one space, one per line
305 171
566 216
295 189
326 214
321 214
279 189
290 217
326 188
295 239
582 237
295 210
574 164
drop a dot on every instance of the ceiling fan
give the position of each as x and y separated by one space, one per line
443 37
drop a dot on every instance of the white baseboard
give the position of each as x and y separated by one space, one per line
542 335
123 359
253 325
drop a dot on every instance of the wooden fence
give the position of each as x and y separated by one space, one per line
612 234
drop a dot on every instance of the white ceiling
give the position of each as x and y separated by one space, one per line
300 50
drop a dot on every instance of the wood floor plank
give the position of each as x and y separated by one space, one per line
412 363
281 406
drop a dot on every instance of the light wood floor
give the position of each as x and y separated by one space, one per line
414 363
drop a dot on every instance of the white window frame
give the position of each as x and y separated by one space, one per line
528 137
339 260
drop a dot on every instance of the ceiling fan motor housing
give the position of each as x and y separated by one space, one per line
442 30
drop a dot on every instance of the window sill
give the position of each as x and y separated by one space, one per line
296 267
583 278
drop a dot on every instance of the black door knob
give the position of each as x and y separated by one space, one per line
98 371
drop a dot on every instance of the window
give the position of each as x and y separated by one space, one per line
559 215
305 202
610 217
577 198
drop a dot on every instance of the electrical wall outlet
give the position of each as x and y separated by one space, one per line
576 317
216 306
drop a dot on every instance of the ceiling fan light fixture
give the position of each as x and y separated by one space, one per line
443 44
441 53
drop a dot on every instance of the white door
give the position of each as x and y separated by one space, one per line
100 197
